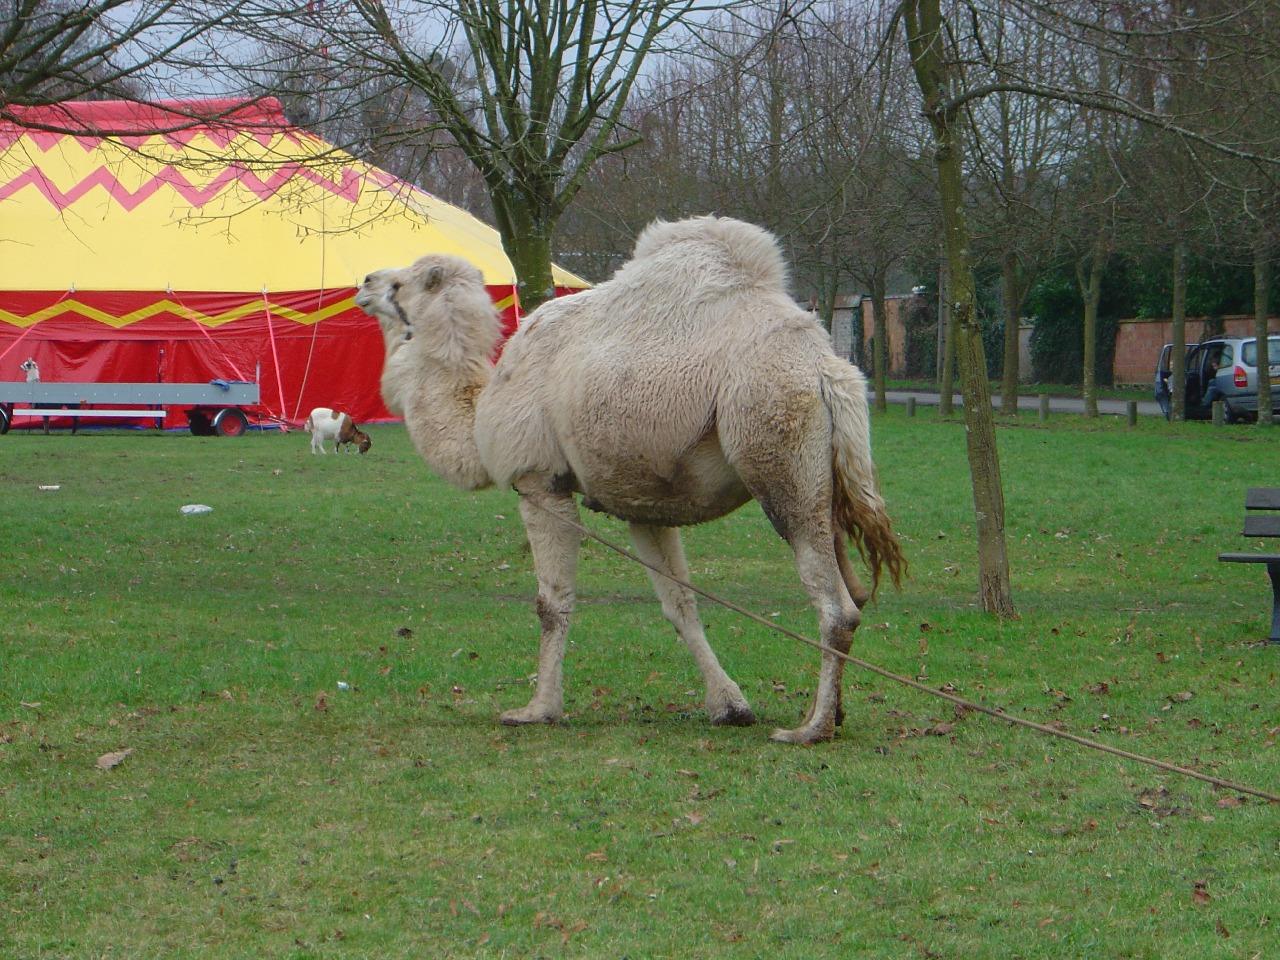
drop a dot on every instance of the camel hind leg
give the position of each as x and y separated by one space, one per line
547 519
785 462
857 592
824 578
661 548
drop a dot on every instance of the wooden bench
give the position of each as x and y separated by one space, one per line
1262 519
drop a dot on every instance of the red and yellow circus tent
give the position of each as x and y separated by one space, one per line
146 247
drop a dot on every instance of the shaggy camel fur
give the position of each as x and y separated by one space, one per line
674 393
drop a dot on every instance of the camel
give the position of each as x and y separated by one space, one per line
682 388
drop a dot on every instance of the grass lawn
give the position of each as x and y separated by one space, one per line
308 679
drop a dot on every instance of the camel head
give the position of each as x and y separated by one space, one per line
439 304
376 297
440 329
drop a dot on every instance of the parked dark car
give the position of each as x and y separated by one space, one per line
1221 368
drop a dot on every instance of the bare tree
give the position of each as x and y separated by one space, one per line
54 50
1021 146
935 68
1093 196
955 68
531 94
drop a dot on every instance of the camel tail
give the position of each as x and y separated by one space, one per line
856 502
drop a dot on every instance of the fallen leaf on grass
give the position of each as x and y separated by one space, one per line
1182 696
1228 803
1150 799
1199 895
543 920
109 761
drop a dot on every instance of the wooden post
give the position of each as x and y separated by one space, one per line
911 406
1219 413
1044 407
1131 409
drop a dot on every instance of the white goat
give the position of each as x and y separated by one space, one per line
325 424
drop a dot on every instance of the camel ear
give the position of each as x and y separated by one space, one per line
433 278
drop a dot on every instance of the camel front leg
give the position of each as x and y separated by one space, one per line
555 562
838 617
661 547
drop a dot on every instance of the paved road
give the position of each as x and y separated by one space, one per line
1056 404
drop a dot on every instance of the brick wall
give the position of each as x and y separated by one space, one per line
896 353
1138 343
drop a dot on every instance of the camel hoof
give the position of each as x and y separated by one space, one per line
732 715
804 736
525 716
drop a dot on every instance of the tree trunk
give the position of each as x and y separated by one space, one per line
526 239
1012 319
880 343
925 37
947 344
1261 316
827 304
1091 293
1178 353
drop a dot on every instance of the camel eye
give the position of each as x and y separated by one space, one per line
395 287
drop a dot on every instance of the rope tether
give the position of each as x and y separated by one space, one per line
906 681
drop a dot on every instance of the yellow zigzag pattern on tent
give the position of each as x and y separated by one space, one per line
178 309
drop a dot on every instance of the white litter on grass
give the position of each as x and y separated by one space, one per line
191 509
50 486
343 685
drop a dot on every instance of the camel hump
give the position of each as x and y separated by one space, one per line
734 245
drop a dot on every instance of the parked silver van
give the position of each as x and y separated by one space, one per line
1221 368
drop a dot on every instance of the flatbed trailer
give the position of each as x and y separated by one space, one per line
213 408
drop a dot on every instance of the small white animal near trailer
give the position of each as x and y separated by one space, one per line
213 408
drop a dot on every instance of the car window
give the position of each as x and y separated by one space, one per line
1249 352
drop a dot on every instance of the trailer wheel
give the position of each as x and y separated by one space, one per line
230 422
200 424
4 420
